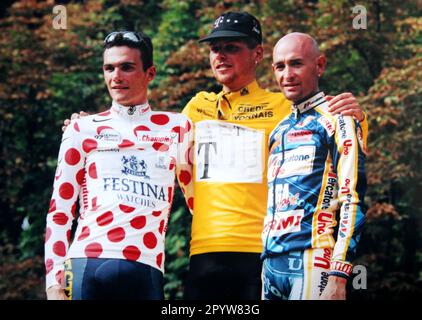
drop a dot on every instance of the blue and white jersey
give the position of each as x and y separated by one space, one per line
316 180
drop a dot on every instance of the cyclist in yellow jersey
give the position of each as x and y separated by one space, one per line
230 187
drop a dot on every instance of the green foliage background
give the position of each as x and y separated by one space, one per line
46 74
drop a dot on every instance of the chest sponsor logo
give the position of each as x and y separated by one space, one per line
133 166
299 136
283 223
228 153
129 188
166 138
297 162
108 136
161 162
251 112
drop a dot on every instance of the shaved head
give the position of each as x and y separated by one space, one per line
305 41
297 65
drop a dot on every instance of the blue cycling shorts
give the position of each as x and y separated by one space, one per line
97 278
296 275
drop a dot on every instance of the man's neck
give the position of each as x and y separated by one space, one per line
138 103
299 101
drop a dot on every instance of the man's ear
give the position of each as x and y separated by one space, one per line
259 53
321 64
151 73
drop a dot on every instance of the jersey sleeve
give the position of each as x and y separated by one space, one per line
68 179
184 162
348 161
363 133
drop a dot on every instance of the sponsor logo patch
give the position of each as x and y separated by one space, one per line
328 126
283 223
135 167
297 162
299 136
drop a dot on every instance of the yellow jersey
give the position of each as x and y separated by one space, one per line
231 134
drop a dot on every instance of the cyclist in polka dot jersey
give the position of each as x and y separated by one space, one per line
121 166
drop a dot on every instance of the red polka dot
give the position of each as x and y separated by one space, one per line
160 146
60 277
160 119
94 203
116 234
84 233
170 189
93 250
52 206
92 171
150 240
172 163
104 113
161 227
80 176
190 203
68 235
73 210
156 213
131 253
185 177
105 219
76 127
188 126
140 128
60 218
99 129
126 209
89 144
66 190
59 248
138 222
47 234
126 143
159 259
49 264
72 157
180 131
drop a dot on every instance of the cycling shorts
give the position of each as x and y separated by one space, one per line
224 275
112 279
296 275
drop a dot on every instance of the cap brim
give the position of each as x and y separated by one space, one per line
223 34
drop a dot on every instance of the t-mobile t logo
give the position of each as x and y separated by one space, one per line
206 153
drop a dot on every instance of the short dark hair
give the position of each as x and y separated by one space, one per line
144 45
251 43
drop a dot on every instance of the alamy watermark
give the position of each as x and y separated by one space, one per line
360 21
360 279
60 18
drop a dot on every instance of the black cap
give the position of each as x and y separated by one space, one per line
235 25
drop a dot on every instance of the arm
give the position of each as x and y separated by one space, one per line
346 104
184 162
68 178
348 160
